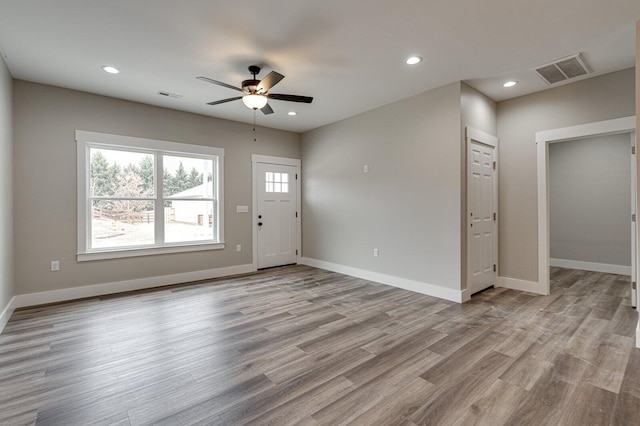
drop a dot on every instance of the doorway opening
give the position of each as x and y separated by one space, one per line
624 125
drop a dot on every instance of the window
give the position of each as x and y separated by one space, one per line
140 196
276 182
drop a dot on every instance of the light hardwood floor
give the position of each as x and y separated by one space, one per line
299 345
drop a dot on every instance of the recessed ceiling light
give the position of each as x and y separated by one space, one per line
110 69
293 113
414 60
510 84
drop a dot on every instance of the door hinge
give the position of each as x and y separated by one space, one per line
296 214
494 165
495 268
633 150
296 176
296 252
633 285
633 217
494 216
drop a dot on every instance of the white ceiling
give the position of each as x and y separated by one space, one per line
348 54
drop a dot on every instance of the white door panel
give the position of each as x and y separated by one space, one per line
276 215
481 213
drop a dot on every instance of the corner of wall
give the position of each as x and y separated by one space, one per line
479 112
638 125
7 288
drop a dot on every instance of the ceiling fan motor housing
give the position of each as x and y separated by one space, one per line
250 86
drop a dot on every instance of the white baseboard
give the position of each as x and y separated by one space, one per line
522 285
416 286
638 335
33 299
6 313
591 266
465 295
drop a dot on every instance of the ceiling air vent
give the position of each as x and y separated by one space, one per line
170 95
564 69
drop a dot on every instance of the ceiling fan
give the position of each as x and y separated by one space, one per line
256 92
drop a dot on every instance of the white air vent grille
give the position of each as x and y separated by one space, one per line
170 95
564 69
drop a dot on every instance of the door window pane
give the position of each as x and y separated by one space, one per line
276 182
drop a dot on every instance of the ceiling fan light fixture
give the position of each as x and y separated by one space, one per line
413 60
254 101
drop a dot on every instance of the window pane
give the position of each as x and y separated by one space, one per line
269 187
120 173
276 187
285 187
186 177
269 177
285 177
118 223
188 220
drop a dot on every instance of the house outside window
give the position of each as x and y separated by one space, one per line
141 196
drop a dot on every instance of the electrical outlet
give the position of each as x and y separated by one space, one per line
239 248
376 252
365 169
55 265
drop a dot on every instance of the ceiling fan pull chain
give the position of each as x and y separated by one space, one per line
254 126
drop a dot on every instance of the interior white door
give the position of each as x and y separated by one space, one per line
481 215
276 215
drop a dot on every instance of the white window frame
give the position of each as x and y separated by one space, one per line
86 140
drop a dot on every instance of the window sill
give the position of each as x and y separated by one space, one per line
146 251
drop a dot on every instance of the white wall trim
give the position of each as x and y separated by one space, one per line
521 285
638 335
53 296
6 314
543 139
592 266
406 284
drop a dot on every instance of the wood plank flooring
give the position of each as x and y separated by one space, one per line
302 346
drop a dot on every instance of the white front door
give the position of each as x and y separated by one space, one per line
276 214
481 212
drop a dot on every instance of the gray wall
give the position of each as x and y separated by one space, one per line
407 206
6 191
590 200
596 99
45 182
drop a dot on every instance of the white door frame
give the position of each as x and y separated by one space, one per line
472 134
543 139
282 161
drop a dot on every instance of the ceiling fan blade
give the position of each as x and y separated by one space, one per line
269 81
266 110
222 101
219 83
290 98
